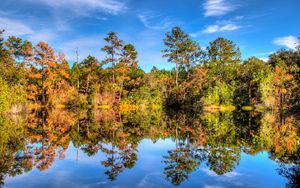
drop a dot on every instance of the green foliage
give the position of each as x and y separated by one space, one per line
220 93
181 50
4 95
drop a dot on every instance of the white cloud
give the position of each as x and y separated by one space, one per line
153 21
232 174
14 27
288 41
265 59
219 28
216 28
82 6
217 7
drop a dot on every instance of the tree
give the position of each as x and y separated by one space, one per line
180 162
113 50
192 54
129 55
285 83
223 58
14 56
175 42
90 67
42 74
19 50
251 74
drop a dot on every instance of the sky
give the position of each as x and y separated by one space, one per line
258 27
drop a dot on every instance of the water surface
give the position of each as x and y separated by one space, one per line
149 149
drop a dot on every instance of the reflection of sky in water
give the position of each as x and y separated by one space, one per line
253 171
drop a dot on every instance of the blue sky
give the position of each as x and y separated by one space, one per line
258 27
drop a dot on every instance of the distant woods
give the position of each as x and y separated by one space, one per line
212 78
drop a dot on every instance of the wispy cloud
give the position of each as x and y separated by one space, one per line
288 41
220 28
228 175
14 27
83 6
216 28
217 7
231 24
149 180
213 186
155 21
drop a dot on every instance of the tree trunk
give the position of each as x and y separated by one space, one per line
88 84
113 67
43 89
176 77
249 93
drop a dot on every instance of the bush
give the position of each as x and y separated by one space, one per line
4 95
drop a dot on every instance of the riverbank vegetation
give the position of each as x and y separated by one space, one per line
210 79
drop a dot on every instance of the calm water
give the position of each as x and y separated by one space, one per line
149 149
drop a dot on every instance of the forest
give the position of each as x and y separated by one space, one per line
95 102
208 79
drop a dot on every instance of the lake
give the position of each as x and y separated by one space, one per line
149 148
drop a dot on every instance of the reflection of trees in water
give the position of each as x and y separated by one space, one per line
292 173
278 133
223 145
108 135
181 161
12 136
119 159
223 159
216 138
289 167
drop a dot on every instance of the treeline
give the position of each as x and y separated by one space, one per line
213 78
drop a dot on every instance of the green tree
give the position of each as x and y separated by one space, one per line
192 54
90 67
129 55
251 74
223 58
175 42
113 50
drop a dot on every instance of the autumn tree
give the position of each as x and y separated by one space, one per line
42 74
286 66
